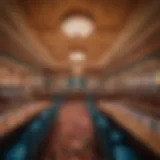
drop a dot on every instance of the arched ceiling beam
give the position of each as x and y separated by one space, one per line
146 63
11 60
20 32
138 30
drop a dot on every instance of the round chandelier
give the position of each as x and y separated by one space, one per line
78 26
77 56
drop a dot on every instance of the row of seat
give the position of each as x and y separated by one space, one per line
112 141
14 117
27 145
139 125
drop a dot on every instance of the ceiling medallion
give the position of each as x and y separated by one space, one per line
78 26
77 59
77 56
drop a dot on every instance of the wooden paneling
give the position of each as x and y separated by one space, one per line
19 80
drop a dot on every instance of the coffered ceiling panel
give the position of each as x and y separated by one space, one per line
45 20
36 26
60 46
48 15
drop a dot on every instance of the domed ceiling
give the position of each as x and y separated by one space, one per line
47 20
50 33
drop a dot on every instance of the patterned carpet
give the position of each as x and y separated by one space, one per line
73 138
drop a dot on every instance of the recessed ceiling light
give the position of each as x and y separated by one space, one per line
77 56
78 26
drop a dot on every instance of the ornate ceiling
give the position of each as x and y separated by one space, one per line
32 31
41 25
46 21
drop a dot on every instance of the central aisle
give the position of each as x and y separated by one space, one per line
82 132
74 136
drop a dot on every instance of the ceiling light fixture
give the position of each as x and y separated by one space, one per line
77 56
78 26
